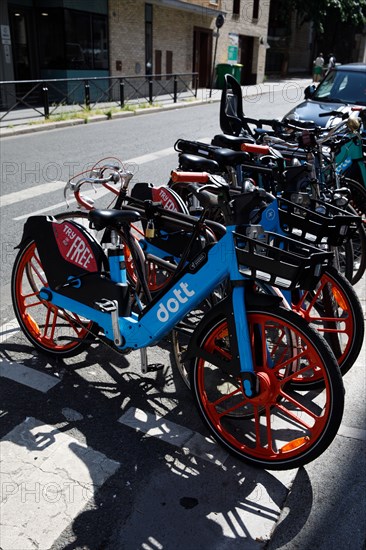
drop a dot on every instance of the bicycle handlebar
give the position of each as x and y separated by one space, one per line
254 148
117 175
189 177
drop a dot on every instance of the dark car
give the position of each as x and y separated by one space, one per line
344 85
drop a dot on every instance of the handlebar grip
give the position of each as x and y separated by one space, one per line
254 148
338 114
189 177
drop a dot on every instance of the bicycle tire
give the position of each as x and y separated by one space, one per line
343 325
52 330
344 260
358 239
358 194
289 427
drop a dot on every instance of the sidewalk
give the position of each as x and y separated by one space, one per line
325 507
27 121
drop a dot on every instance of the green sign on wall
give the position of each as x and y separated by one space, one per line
233 47
232 53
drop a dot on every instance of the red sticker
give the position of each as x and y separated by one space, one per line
74 247
162 194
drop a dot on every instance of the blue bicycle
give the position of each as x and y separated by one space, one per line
247 355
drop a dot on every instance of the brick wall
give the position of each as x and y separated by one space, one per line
243 24
173 31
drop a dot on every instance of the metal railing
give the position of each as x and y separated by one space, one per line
47 97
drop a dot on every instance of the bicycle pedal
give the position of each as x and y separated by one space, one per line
154 367
106 305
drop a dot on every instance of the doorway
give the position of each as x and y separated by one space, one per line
246 49
202 55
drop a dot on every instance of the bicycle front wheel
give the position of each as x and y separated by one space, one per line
284 426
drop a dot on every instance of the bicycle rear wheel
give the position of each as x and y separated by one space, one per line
50 329
284 426
334 309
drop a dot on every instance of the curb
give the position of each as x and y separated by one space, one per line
253 90
31 128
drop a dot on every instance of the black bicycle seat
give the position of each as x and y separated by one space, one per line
112 218
228 157
231 142
196 163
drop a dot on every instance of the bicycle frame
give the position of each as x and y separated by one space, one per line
349 158
199 278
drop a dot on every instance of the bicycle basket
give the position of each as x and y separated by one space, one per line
322 222
280 261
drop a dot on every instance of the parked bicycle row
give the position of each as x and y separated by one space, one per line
244 259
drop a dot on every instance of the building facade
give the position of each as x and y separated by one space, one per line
44 39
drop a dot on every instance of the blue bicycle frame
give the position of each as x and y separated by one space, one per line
199 278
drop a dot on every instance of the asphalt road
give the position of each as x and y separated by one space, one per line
96 455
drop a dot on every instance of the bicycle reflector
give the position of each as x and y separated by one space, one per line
294 444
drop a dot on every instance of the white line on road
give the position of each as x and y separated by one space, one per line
31 193
47 478
154 425
353 433
27 376
50 187
7 330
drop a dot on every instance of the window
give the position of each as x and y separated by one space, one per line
51 39
100 42
86 40
70 39
236 7
255 9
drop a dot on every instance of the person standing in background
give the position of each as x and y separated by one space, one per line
331 62
318 68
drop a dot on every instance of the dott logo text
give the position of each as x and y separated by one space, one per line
173 304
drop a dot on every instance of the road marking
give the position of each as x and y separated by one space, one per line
7 330
27 376
50 187
154 425
47 478
97 194
253 515
36 191
353 433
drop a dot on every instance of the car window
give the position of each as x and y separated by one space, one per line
343 87
325 88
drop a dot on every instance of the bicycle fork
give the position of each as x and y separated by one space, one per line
241 341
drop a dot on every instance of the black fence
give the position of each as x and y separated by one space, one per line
47 97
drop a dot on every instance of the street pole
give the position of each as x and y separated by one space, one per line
219 23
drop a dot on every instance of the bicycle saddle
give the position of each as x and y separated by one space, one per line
197 163
228 157
230 142
112 218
